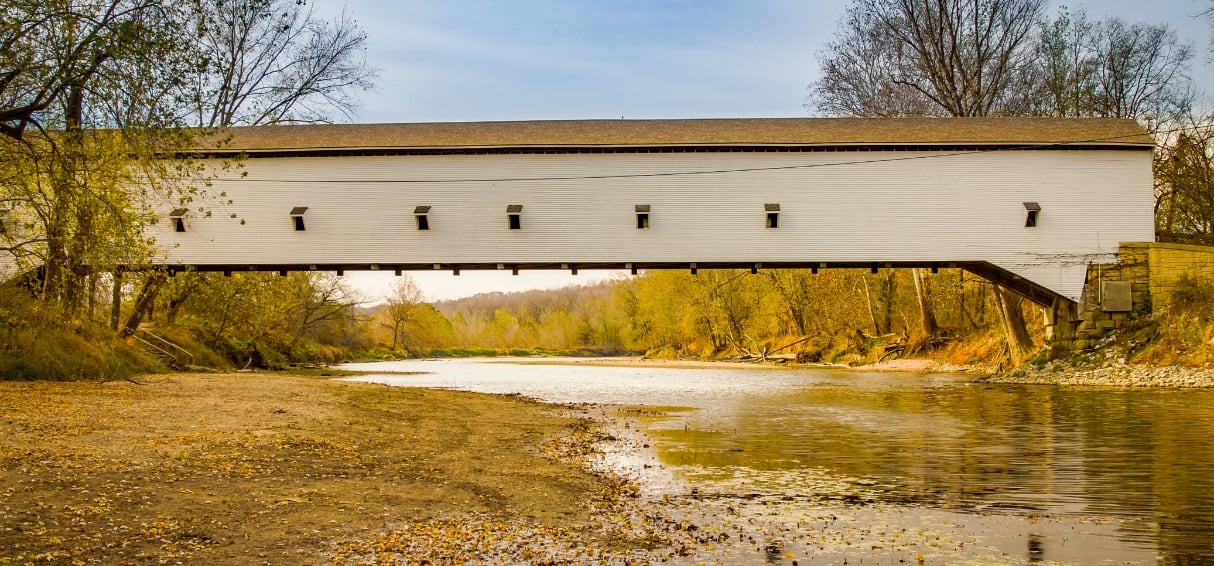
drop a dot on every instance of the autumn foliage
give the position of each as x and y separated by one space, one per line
844 316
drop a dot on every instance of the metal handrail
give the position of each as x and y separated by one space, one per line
156 349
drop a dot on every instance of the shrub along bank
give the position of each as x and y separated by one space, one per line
36 342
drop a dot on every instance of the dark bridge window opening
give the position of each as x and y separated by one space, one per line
422 213
297 217
1033 209
178 217
773 215
642 211
514 213
3 214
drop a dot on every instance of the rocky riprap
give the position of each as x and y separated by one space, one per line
1117 375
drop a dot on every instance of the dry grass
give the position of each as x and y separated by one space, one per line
38 341
976 348
1184 334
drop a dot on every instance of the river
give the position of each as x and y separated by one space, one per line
872 464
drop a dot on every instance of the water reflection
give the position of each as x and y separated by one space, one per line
1141 458
1036 548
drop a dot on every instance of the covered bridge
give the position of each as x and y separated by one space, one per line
1028 202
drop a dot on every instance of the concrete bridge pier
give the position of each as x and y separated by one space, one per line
1061 321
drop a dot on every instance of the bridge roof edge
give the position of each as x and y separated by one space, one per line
706 133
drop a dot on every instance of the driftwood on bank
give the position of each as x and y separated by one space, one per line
763 355
892 346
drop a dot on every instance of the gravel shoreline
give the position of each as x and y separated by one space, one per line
1061 373
1110 376
1054 373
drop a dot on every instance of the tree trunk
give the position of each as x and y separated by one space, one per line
116 305
92 295
794 304
926 315
147 296
868 299
1019 344
71 199
56 261
964 312
889 290
193 281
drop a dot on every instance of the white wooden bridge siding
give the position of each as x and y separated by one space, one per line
835 206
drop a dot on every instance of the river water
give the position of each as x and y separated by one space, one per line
887 461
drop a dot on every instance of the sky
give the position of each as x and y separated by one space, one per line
483 60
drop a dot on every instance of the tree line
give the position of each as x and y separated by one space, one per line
832 315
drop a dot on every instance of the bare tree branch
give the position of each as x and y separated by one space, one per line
273 61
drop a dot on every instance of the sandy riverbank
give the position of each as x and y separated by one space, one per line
253 468
280 469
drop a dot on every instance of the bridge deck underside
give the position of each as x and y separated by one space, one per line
1030 290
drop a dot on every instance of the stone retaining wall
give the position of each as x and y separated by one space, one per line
1170 262
1142 281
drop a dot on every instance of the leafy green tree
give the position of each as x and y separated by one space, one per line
261 318
591 317
403 306
266 62
428 329
68 68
